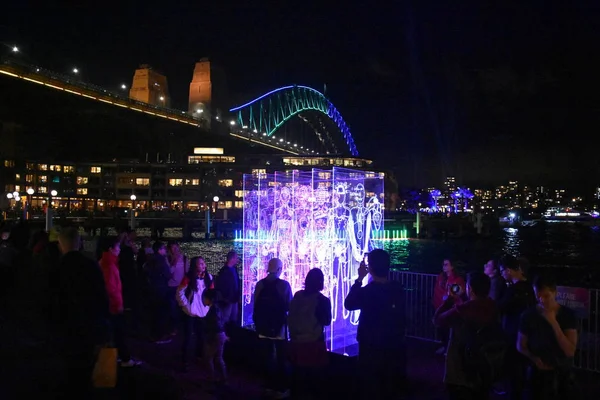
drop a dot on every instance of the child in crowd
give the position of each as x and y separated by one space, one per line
214 336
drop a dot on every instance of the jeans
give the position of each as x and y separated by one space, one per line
118 326
274 353
230 314
213 356
174 310
160 312
192 326
383 370
552 385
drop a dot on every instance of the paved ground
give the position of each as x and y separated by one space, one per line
31 367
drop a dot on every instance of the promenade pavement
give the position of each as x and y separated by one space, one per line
29 367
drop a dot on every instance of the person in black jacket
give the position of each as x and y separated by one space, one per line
228 284
159 273
80 314
381 328
517 298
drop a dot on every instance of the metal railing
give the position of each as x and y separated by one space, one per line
419 311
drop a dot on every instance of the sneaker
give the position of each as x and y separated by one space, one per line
130 363
441 350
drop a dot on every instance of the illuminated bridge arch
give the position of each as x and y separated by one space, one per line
267 114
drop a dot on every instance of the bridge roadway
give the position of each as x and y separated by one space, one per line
72 85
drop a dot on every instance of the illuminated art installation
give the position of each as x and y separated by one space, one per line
312 219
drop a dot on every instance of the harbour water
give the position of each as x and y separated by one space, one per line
571 250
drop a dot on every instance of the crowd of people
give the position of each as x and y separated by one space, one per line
499 330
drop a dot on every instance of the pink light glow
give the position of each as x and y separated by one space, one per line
316 219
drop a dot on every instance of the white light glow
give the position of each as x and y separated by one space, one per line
133 197
75 70
53 193
15 49
231 122
209 150
30 191
9 195
216 199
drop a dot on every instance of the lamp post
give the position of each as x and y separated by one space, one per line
132 223
26 203
53 193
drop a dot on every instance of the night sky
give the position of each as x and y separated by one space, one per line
429 89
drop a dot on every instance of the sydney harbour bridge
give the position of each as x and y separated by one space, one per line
294 119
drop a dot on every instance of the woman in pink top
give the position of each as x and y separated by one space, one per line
445 282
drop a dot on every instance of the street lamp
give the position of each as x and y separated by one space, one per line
216 199
30 191
161 98
75 71
53 193
123 86
132 197
9 196
15 49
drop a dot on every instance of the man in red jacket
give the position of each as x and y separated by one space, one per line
112 281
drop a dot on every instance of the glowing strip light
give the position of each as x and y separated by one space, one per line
264 144
275 91
33 80
9 73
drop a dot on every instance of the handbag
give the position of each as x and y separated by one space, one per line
105 369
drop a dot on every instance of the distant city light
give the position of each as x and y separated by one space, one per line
161 98
232 122
15 194
281 140
30 191
295 145
200 111
123 86
216 199
15 49
255 131
53 193
133 197
75 71
9 195
245 127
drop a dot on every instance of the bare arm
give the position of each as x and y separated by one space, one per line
567 340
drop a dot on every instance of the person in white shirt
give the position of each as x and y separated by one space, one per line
189 297
176 261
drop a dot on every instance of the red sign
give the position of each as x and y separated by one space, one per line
577 299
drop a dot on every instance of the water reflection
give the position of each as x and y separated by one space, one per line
512 243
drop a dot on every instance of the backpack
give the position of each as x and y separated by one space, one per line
484 354
302 318
269 310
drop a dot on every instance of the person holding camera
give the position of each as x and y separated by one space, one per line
447 280
381 328
474 325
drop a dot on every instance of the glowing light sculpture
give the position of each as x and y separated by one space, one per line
323 219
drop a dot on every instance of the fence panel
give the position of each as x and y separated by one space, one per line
419 311
419 308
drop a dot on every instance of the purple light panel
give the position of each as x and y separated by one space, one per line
314 219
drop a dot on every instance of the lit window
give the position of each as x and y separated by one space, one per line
30 166
226 182
43 179
18 188
228 204
96 170
42 189
175 182
56 168
43 167
239 193
82 180
68 169
192 182
28 178
239 204
18 177
142 181
259 172
9 163
82 191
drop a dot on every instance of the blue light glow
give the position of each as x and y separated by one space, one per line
317 219
332 113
